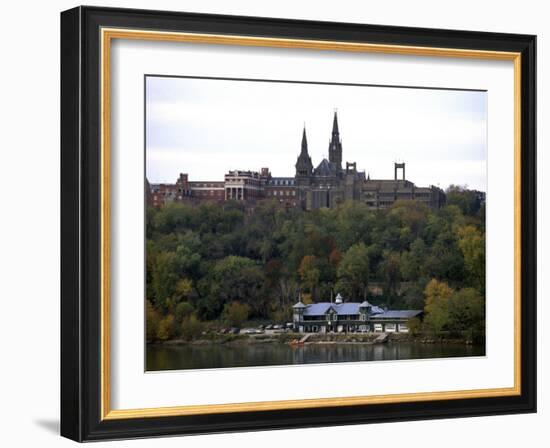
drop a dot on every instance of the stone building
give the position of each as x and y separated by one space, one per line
329 183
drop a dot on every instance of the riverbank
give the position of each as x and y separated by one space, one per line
315 339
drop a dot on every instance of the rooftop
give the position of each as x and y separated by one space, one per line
351 308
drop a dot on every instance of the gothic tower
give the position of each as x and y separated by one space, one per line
304 167
335 145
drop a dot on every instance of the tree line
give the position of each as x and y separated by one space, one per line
213 262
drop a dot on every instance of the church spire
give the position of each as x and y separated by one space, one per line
335 125
304 167
335 144
304 141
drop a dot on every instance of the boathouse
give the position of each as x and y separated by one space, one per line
345 317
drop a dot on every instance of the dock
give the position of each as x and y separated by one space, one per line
382 338
304 338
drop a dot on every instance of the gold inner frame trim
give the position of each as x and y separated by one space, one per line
107 35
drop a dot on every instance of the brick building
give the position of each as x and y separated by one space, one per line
325 185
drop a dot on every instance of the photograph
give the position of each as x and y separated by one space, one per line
283 221
291 222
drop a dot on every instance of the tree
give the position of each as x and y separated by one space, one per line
235 313
467 200
467 311
415 325
164 278
446 261
201 257
353 224
172 217
152 321
309 273
472 244
412 261
411 214
353 272
183 310
437 305
234 278
166 328
391 271
167 272
191 327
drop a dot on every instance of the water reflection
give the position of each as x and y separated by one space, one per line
163 357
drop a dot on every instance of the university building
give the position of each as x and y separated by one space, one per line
326 185
329 183
345 317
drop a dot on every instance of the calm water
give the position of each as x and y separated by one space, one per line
162 357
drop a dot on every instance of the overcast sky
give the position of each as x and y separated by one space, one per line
207 127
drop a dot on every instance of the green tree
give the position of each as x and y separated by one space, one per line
467 311
309 273
353 272
183 311
164 278
391 271
234 278
467 200
412 261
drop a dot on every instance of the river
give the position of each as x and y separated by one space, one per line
211 356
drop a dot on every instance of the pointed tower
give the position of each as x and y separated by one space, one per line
304 167
335 145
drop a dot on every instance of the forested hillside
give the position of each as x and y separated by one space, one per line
219 263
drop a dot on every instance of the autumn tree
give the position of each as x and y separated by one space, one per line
191 327
166 328
152 320
235 313
437 295
472 244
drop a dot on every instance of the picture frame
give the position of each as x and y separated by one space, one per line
86 211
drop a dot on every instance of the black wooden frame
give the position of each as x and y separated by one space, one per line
80 223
